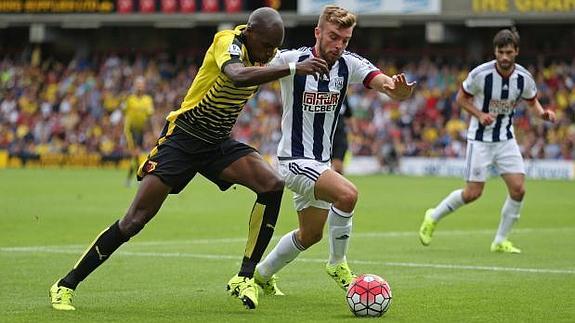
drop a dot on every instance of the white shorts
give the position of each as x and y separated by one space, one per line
300 176
503 155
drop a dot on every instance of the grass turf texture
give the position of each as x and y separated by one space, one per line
176 269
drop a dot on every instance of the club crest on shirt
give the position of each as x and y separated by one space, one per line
150 166
336 83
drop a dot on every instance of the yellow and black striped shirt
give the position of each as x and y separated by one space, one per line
213 103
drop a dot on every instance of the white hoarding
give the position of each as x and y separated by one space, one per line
375 7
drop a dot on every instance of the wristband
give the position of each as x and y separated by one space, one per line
291 68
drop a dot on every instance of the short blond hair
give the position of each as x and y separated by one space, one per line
337 16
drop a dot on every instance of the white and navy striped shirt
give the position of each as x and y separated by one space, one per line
497 95
311 107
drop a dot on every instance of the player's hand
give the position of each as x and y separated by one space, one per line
314 66
548 115
400 89
485 119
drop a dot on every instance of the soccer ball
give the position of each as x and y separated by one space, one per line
368 295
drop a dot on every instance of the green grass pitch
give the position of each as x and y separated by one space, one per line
176 269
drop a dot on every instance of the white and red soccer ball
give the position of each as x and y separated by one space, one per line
368 295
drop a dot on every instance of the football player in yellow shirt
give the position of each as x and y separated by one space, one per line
196 139
138 108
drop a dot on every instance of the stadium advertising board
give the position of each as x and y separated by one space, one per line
540 168
541 8
135 6
57 6
453 167
376 7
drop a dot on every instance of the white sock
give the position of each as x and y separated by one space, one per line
509 215
339 224
287 249
452 202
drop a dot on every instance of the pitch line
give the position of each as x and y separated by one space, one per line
389 234
309 260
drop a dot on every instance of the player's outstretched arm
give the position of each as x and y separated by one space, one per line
396 87
545 114
255 75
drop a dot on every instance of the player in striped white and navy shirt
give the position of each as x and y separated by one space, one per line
310 111
490 93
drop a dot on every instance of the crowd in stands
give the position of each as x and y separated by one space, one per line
75 108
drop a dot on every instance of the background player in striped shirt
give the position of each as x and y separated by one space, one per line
490 93
310 111
196 139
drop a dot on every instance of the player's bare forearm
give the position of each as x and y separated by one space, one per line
544 114
379 83
243 76
255 75
466 102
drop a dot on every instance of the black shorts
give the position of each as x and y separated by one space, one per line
178 156
138 136
340 145
134 138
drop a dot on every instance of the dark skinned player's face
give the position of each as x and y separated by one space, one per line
263 45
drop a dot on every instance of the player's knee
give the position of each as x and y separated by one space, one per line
271 184
276 184
347 199
517 193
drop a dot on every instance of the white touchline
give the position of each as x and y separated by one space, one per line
303 259
383 234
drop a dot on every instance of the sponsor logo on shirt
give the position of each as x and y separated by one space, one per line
501 106
320 102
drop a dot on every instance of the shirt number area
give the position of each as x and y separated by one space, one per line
320 102
501 107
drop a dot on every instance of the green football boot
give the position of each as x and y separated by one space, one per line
341 274
427 228
504 247
61 298
245 289
270 286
